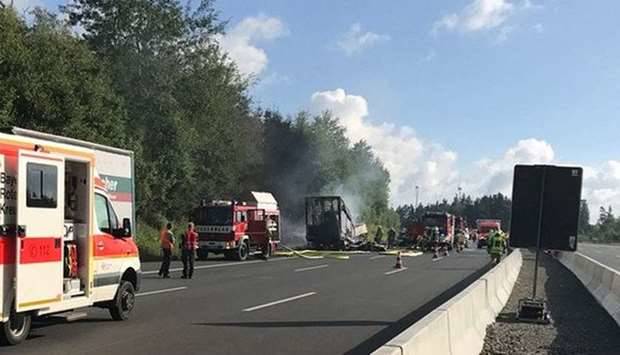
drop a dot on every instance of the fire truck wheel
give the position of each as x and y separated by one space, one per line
16 329
242 252
124 301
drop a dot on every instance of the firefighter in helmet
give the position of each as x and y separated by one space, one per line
460 240
496 245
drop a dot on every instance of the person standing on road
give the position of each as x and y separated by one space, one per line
188 251
496 245
460 241
391 238
166 241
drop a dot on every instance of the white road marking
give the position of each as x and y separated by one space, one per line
395 271
311 268
377 257
161 291
255 308
617 256
437 259
200 267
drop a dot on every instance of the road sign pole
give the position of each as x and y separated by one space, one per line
539 231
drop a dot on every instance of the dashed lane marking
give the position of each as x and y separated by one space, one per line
256 308
157 292
395 271
311 268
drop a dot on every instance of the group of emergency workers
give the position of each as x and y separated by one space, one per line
432 238
188 246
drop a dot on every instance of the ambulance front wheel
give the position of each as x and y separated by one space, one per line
124 301
16 329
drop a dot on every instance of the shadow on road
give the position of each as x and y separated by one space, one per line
51 321
582 325
300 324
399 326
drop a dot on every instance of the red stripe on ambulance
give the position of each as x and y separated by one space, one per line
7 250
40 250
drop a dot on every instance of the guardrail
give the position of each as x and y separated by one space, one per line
459 325
602 281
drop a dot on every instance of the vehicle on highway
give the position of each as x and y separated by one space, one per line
484 227
62 245
238 229
329 223
444 222
412 235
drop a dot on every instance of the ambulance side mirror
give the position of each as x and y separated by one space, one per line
126 227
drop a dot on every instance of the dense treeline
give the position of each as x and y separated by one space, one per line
148 75
606 229
495 206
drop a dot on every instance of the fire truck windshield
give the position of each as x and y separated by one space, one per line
219 216
434 221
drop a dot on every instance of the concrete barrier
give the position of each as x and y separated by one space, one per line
602 281
458 327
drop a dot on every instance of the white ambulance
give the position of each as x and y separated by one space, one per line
66 243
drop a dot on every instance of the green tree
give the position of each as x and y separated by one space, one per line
51 82
191 121
584 218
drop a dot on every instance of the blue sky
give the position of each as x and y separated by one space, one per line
466 87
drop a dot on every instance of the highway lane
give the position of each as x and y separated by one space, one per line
281 306
608 254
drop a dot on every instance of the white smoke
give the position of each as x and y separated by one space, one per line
413 161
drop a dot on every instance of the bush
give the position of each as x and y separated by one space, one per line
147 239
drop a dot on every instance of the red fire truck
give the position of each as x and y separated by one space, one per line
484 227
238 229
445 223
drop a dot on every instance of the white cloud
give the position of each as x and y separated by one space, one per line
356 40
601 187
495 175
478 15
410 160
240 42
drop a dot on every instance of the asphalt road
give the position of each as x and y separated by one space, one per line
608 254
281 306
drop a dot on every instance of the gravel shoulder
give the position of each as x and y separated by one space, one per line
579 324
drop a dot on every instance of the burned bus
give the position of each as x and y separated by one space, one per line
329 224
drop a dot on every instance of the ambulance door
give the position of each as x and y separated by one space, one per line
40 228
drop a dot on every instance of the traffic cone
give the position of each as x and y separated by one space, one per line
399 262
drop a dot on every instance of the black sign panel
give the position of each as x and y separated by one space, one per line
557 190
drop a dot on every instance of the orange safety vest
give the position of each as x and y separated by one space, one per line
164 239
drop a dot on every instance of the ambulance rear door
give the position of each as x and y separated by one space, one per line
40 228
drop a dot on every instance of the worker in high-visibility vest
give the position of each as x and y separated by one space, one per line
496 245
166 242
188 251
